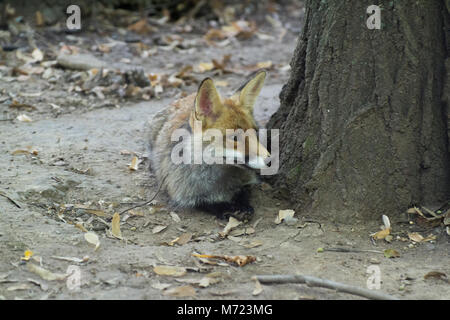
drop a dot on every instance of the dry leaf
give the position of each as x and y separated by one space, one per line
158 229
39 19
45 274
18 105
160 286
232 223
238 260
181 240
80 226
391 253
169 271
435 275
134 164
258 288
203 67
24 118
386 222
28 150
381 234
115 226
283 214
37 55
219 83
22 286
141 27
27 255
92 238
98 213
416 237
175 217
183 291
72 259
253 244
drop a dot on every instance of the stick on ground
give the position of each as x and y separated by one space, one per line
324 283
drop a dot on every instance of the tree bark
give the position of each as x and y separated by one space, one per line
363 117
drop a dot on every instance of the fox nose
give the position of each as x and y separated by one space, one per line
259 159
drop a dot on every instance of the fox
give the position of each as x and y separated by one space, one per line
219 188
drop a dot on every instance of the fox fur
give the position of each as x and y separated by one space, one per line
216 186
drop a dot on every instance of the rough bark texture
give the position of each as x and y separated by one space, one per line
363 117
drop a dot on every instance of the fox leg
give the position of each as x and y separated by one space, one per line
239 207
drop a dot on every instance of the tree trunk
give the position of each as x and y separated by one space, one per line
363 117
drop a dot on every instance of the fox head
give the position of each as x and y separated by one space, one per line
233 116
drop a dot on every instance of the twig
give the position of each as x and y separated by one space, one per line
351 250
431 212
435 217
11 200
146 202
324 283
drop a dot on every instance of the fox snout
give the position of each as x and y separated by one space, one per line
258 156
245 148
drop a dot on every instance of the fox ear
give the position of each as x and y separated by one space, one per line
207 101
251 90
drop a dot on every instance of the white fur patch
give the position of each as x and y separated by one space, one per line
256 163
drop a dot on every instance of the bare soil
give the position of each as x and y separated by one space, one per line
84 144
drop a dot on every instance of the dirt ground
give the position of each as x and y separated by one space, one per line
68 172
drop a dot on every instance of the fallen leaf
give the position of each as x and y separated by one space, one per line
221 83
158 229
238 260
134 164
24 118
92 238
283 214
203 67
381 234
160 286
72 259
391 253
39 19
115 226
141 27
98 213
415 236
207 281
232 223
37 55
169 271
253 244
80 226
258 288
27 255
18 105
435 275
181 240
183 291
45 274
22 286
386 222
175 217
28 150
